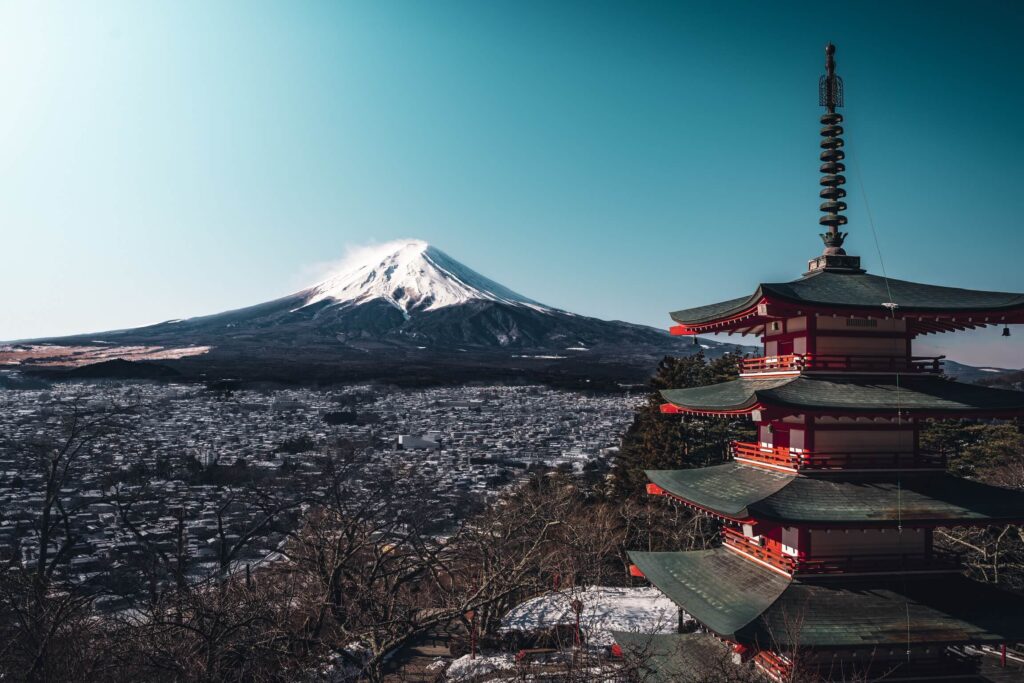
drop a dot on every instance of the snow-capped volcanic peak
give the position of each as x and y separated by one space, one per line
412 276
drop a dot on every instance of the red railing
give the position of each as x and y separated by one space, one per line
776 667
767 552
783 456
772 364
840 363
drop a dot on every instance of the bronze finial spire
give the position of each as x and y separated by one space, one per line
830 86
830 96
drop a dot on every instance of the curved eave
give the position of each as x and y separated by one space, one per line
728 316
752 320
847 395
742 493
742 602
722 490
772 301
716 587
675 409
739 396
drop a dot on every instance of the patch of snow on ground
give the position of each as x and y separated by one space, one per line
989 370
73 356
540 357
576 348
605 609
466 669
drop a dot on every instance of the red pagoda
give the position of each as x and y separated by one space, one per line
828 517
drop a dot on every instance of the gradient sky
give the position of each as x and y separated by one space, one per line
617 159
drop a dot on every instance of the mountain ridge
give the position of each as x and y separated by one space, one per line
405 304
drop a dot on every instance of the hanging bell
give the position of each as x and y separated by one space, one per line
1006 330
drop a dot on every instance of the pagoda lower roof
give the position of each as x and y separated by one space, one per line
849 394
674 657
741 601
858 294
742 492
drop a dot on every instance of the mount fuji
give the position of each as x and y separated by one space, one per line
413 276
403 311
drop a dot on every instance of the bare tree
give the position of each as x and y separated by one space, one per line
40 608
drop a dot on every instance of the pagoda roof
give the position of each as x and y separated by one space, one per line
739 491
853 293
847 394
741 601
674 657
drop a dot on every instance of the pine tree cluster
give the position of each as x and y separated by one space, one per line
659 441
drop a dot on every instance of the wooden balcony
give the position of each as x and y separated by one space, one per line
827 460
797 363
765 553
768 553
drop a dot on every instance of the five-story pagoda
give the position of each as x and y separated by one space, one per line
828 518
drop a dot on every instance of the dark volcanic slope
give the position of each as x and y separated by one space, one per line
480 340
408 311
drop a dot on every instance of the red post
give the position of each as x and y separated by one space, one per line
577 607
471 616
1002 656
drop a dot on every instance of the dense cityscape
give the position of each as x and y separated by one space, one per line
179 470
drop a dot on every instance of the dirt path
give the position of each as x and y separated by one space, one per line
411 662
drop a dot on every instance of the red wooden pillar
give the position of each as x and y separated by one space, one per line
471 616
812 334
577 607
809 434
805 544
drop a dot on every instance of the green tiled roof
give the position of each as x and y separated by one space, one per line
859 290
718 588
849 394
738 600
727 489
674 657
936 610
740 491
734 395
711 312
925 497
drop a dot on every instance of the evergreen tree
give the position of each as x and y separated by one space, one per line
659 441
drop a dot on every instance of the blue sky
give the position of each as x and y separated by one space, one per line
617 159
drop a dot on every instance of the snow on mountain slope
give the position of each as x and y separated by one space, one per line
412 276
